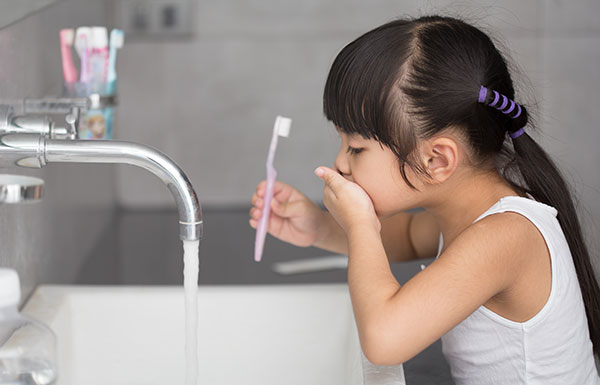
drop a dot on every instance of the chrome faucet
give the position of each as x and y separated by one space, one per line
34 141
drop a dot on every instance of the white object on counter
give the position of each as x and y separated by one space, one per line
382 374
308 265
27 347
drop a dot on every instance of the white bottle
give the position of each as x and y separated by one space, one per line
27 347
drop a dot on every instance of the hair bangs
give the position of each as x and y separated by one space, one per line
359 83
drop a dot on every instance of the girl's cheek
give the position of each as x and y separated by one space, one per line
370 187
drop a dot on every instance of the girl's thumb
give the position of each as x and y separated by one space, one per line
330 177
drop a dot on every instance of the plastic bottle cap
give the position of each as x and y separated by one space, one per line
10 288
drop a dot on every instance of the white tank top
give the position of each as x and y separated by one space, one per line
552 347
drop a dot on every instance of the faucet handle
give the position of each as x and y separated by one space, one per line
33 122
71 130
39 124
23 124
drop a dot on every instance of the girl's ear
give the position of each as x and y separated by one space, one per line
440 155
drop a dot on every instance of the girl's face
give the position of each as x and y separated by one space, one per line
376 169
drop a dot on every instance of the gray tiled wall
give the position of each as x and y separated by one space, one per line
49 240
210 101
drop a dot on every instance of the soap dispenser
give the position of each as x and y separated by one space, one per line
27 347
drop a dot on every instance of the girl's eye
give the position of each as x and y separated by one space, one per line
354 151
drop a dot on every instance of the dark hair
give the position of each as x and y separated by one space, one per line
411 79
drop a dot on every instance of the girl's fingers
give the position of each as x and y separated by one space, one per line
280 190
276 206
256 201
255 213
261 187
260 192
271 225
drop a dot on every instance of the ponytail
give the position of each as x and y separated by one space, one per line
547 185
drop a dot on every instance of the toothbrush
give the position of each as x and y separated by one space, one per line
116 42
98 60
67 36
83 37
282 128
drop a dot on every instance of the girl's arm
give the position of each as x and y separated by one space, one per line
396 322
331 236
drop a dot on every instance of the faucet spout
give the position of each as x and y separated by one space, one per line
33 150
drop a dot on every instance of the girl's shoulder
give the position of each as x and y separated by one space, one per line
512 232
505 238
526 264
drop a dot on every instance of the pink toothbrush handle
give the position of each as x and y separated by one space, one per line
261 229
69 71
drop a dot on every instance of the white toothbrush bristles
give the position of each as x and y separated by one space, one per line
283 125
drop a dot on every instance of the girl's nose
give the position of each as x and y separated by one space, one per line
341 165
345 175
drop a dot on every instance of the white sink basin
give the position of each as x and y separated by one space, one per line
267 335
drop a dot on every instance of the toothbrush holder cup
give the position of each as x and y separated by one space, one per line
97 122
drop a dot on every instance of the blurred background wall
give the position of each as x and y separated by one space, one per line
210 100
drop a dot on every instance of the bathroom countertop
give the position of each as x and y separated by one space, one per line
143 248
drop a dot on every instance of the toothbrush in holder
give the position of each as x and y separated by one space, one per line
282 128
83 39
117 38
98 56
67 37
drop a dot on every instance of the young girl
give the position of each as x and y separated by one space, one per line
426 113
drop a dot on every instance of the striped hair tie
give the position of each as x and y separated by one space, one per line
493 98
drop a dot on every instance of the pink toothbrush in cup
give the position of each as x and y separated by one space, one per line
282 128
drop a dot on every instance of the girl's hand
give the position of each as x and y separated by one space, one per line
294 217
347 202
